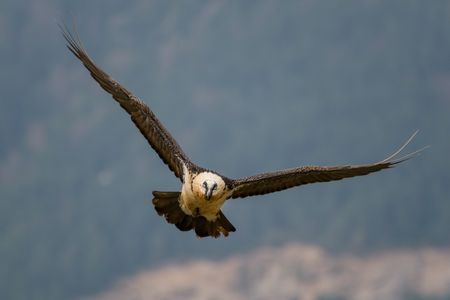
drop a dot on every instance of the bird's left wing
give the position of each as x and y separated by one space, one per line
152 129
280 180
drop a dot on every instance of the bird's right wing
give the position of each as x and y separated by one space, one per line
152 129
280 180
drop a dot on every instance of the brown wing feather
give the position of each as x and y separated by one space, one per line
152 129
280 180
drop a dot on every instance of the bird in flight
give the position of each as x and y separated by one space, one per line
203 192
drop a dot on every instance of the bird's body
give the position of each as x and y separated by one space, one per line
204 192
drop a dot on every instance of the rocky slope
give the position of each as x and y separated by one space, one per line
296 271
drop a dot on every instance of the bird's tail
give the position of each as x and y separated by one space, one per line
167 205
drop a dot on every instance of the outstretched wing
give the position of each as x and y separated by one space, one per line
280 180
152 129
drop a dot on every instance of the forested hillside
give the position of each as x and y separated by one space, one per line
245 87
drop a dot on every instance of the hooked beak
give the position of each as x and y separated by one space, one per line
209 189
208 193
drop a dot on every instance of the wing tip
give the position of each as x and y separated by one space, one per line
393 159
73 39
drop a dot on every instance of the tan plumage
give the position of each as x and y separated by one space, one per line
204 192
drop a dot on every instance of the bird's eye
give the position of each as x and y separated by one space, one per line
205 185
214 187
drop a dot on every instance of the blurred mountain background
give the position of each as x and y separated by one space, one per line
295 271
245 87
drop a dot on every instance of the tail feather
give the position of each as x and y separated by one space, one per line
201 227
227 226
185 224
167 205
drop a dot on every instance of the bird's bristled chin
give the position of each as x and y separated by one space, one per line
208 192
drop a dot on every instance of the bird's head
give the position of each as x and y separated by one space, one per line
208 186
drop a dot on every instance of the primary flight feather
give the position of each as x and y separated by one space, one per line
203 192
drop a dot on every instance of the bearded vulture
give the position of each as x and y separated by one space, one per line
203 192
